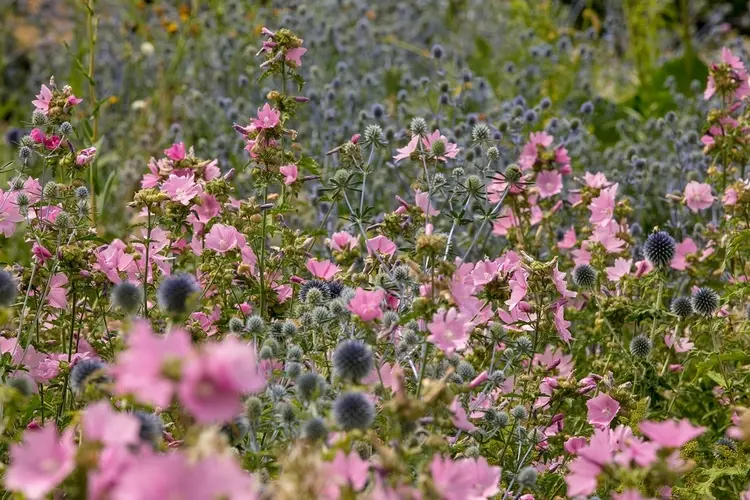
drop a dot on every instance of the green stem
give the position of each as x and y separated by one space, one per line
262 260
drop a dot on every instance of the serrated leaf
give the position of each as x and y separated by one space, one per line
309 164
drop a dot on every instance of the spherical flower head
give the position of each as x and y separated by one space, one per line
584 276
315 429
659 249
480 134
640 346
705 301
519 413
127 296
85 372
373 136
527 476
151 427
681 307
255 325
418 126
352 360
176 293
309 386
314 291
353 410
8 288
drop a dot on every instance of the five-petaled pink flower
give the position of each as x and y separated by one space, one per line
423 201
43 99
671 433
549 183
407 150
619 269
698 196
289 172
464 479
222 238
109 427
295 55
268 117
322 269
85 156
602 410
603 206
57 295
346 470
381 244
366 304
181 189
451 150
176 152
450 330
342 241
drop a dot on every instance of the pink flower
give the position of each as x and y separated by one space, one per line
698 196
596 181
451 150
558 278
176 152
381 244
342 241
424 202
213 383
682 250
41 462
464 479
39 137
730 197
530 152
85 156
581 256
562 325
459 418
601 410
620 269
407 150
572 445
450 330
581 479
43 99
112 260
222 238
670 433
295 55
140 368
268 117
602 207
45 370
366 304
348 470
41 254
289 172
606 236
549 183
740 74
109 427
682 344
73 100
57 294
322 269
568 240
181 189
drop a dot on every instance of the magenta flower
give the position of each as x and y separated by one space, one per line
603 206
295 55
558 278
682 250
342 241
549 183
602 410
289 172
111 260
181 189
620 269
459 418
176 152
109 427
450 330
213 383
451 150
43 99
464 479
381 244
529 154
222 238
366 304
322 269
49 142
670 433
57 295
9 213
698 196
85 156
679 344
407 150
139 369
41 462
268 117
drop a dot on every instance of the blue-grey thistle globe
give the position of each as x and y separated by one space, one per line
8 288
314 429
255 324
527 476
659 249
87 371
315 290
352 360
236 429
502 419
152 427
175 293
705 301
127 296
309 386
519 413
465 370
352 410
681 307
236 325
584 276
640 346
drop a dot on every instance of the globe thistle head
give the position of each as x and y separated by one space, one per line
352 410
480 134
255 325
437 51
705 301
401 273
236 429
527 476
584 276
50 190
465 370
320 315
352 360
265 353
587 108
681 307
519 412
85 372
524 345
314 292
288 329
418 126
82 192
236 325
38 118
502 419
293 369
23 383
659 249
640 346
152 427
176 293
127 296
24 153
315 429
373 136
309 386
65 128
493 153
253 408
437 148
8 288
286 414
335 289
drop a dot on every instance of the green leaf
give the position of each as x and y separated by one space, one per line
717 377
309 164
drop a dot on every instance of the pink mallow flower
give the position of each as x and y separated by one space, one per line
670 433
407 150
268 117
366 304
322 269
620 269
347 470
459 418
213 383
603 206
43 99
109 427
381 244
222 238
41 462
464 479
698 196
289 172
176 152
549 183
602 410
342 241
181 189
450 330
295 55
562 325
85 156
57 295
423 201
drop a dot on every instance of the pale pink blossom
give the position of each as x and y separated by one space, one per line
730 197
109 427
464 479
679 344
603 206
342 241
601 410
289 172
451 150
670 433
407 150
366 304
568 240
43 99
459 418
176 152
381 244
581 256
529 154
268 117
549 183
450 330
620 269
558 278
181 189
85 156
324 269
9 213
561 325
596 181
682 250
423 201
57 295
606 236
222 238
295 55
698 196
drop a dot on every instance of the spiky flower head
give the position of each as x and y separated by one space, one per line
584 276
309 386
527 476
705 301
681 307
519 412
176 292
8 288
152 427
315 291
236 325
640 346
127 296
480 134
315 429
352 410
85 372
418 126
659 249
255 325
352 360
